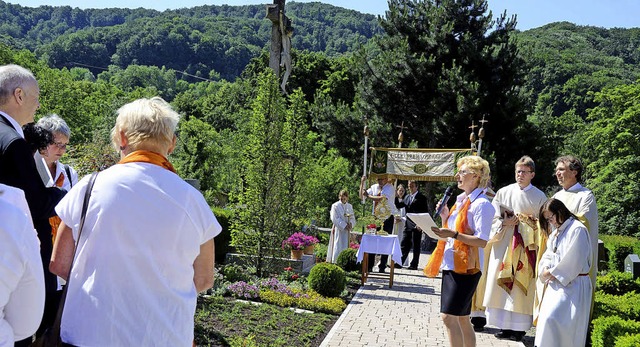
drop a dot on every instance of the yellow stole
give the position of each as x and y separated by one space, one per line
465 258
143 156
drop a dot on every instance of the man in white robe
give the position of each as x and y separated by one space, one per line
509 295
581 202
343 222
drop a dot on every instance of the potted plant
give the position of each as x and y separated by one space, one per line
296 244
310 242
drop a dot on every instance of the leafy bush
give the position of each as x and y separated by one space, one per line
327 279
244 290
625 306
618 248
628 341
309 301
321 251
224 238
347 260
617 283
235 273
607 329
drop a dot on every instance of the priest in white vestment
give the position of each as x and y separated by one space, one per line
580 201
515 242
563 317
343 222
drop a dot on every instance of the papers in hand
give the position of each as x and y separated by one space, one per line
425 222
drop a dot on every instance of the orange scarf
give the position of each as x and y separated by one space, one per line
143 156
55 220
466 258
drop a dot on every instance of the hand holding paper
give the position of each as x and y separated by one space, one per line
425 222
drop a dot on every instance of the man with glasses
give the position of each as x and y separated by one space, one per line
514 243
581 202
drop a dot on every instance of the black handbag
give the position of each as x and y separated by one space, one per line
51 336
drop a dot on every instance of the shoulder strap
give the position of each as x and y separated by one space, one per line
85 204
68 171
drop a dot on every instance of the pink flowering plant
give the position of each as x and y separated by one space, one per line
298 241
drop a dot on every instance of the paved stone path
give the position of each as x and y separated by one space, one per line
406 315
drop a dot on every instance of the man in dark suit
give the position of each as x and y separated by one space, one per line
415 202
19 100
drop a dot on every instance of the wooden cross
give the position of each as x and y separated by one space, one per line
400 136
281 31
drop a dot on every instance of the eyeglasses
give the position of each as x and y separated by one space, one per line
520 172
463 172
61 145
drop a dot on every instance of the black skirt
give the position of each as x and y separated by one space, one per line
457 292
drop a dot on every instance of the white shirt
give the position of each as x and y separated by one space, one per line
389 192
479 217
49 181
21 276
15 196
132 280
14 123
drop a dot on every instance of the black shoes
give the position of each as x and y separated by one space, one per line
397 266
381 270
412 268
507 334
478 323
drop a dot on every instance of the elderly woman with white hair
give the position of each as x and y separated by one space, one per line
52 172
147 246
466 228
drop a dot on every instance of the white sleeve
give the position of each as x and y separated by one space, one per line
21 281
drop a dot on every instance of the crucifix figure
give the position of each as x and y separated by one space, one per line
281 33
400 136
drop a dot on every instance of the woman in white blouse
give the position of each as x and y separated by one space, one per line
343 222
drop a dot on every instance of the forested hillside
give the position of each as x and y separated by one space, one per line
205 41
557 89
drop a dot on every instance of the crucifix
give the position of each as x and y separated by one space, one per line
472 136
281 33
481 134
400 136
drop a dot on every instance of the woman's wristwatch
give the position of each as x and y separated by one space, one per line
455 236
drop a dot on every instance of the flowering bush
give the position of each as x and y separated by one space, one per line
288 275
354 245
244 290
299 241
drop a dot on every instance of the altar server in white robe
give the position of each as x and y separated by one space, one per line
580 201
563 317
343 222
515 242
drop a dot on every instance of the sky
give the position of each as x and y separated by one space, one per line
530 13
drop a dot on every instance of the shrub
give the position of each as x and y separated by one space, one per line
327 279
628 341
223 239
316 302
234 273
624 306
606 329
618 248
244 290
617 283
347 260
321 251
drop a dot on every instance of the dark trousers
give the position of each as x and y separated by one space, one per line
384 258
411 240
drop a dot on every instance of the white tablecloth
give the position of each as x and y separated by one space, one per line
380 245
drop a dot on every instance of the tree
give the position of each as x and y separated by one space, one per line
609 145
262 216
440 65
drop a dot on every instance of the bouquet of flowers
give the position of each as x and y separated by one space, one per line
371 228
